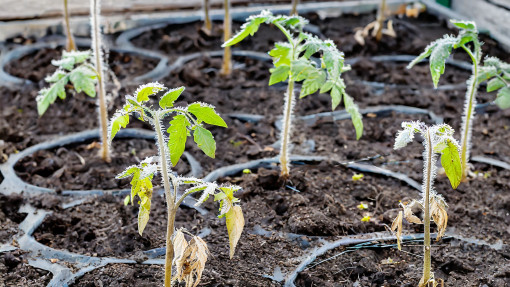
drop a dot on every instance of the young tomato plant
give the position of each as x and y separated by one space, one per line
495 71
189 258
84 70
438 139
293 62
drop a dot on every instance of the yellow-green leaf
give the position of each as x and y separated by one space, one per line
117 123
235 225
206 114
450 160
177 136
168 99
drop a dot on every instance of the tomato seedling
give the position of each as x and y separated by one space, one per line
188 257
494 71
437 139
293 62
84 70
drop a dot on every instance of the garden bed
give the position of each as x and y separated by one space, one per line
284 221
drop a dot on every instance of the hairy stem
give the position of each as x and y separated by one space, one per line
286 129
469 110
98 59
207 19
293 11
426 219
169 255
170 201
226 69
70 45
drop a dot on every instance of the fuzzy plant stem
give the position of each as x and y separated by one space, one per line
98 59
426 199
293 11
70 45
226 69
286 129
469 109
207 19
170 201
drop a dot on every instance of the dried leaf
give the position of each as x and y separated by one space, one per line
180 244
358 36
235 225
397 225
409 215
191 263
439 215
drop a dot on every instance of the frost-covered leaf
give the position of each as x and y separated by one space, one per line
495 84
77 56
205 141
438 57
56 76
279 74
177 136
207 114
144 91
249 28
168 99
118 121
466 25
300 69
337 90
235 225
48 96
84 79
64 63
503 99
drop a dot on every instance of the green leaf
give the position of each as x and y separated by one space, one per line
327 87
84 79
127 199
336 93
356 117
144 91
422 56
205 141
118 121
279 74
177 136
281 53
48 96
450 160
207 114
495 84
503 99
249 28
300 69
466 25
168 99
438 58
312 83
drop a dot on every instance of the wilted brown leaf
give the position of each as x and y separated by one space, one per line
408 213
397 225
439 215
191 263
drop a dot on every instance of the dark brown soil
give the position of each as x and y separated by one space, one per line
16 271
318 200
